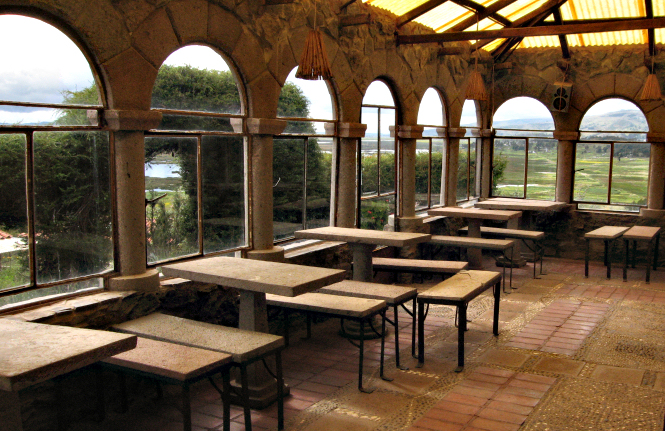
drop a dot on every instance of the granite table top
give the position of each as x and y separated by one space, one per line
520 205
475 213
364 236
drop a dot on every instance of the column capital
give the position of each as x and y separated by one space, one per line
407 132
261 126
126 120
562 135
655 137
347 130
486 133
456 132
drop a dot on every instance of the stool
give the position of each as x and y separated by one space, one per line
646 234
608 234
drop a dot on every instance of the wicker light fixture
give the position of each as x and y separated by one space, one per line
314 62
651 89
475 89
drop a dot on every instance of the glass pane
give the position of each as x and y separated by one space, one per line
223 175
422 172
541 175
72 204
387 146
592 170
469 118
303 98
196 123
369 146
614 115
81 286
437 170
613 137
196 78
30 116
307 128
630 173
431 111
319 165
523 113
14 255
473 157
378 93
508 167
287 192
41 64
374 212
463 170
171 192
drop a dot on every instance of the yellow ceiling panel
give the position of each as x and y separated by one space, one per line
520 8
660 35
539 42
590 9
659 8
444 17
398 7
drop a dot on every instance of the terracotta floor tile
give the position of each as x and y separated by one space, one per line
515 390
608 373
517 399
464 399
448 416
510 407
502 416
490 425
481 385
437 425
457 407
475 392
535 378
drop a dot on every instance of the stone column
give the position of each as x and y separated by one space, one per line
565 164
486 163
656 193
344 183
452 163
407 137
128 128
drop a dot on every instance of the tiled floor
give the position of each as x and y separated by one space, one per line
573 354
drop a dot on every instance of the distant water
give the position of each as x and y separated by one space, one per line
163 170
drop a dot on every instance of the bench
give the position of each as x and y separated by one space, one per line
177 365
458 290
525 235
245 348
361 310
608 234
394 297
417 266
645 234
501 245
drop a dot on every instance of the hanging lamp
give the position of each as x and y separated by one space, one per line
475 89
314 62
651 89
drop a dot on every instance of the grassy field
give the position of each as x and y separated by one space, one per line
629 175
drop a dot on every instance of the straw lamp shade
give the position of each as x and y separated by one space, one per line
314 62
475 89
651 89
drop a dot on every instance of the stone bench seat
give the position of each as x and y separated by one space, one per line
245 348
177 365
648 234
525 235
418 266
608 234
394 296
502 245
361 310
458 290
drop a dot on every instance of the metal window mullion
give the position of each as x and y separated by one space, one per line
304 182
378 153
429 175
609 183
199 192
359 177
468 169
30 194
526 166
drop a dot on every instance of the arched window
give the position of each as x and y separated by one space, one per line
195 160
469 154
56 216
302 157
430 150
612 158
378 158
524 155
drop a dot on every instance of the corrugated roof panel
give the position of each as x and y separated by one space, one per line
493 45
398 7
590 9
539 42
520 8
609 38
445 16
659 8
660 35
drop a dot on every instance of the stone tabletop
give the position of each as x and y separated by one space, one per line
520 205
641 232
174 361
241 344
364 236
32 352
475 213
256 275
606 232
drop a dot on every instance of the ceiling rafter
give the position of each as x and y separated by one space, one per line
418 11
500 19
545 30
651 33
565 50
492 9
503 51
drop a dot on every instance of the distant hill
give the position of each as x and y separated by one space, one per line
627 120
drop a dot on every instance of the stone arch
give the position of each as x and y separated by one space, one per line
442 98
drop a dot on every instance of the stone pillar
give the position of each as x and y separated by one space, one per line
486 163
656 193
128 128
344 184
452 162
407 137
565 164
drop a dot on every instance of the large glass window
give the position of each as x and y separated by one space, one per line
302 157
195 160
55 220
468 158
524 155
612 158
430 150
378 154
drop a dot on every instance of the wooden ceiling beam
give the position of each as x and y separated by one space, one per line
565 50
492 9
419 11
480 9
545 30
651 33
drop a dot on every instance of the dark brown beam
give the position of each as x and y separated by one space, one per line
345 5
565 51
492 9
651 33
356 19
546 30
480 9
420 10
274 2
